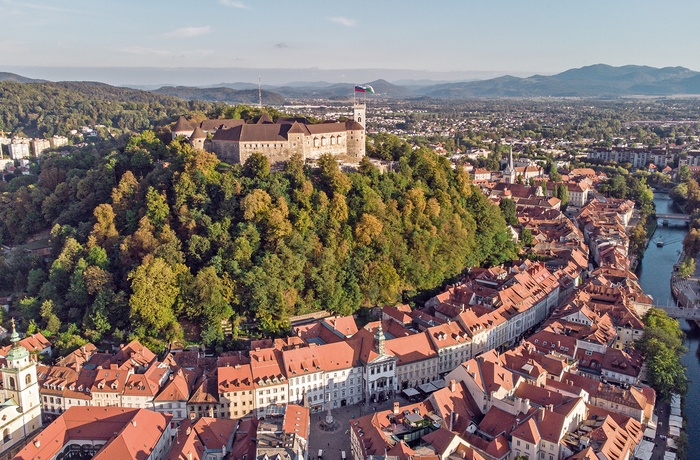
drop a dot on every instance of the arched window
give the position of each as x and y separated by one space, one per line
6 435
11 381
28 379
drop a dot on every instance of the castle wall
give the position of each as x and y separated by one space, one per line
320 144
309 146
276 152
227 151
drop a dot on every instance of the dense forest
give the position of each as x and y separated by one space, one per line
45 109
163 242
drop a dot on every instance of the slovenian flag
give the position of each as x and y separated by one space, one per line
364 89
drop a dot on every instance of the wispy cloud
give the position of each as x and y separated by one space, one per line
12 7
234 4
145 51
187 32
142 50
281 45
343 21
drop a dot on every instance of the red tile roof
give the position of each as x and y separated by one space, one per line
215 432
127 433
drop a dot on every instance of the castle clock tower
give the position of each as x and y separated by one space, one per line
359 113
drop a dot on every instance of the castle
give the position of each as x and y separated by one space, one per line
234 141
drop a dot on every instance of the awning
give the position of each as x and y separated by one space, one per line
675 420
644 450
650 433
410 392
427 388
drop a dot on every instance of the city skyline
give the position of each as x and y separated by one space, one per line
130 43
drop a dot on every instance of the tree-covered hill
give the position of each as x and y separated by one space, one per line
154 236
45 109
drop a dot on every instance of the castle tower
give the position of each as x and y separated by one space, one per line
19 379
182 128
359 111
198 137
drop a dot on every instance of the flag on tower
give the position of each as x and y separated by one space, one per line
364 89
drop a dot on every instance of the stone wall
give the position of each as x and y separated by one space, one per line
345 143
227 151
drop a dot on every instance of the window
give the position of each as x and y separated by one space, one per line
6 436
28 379
11 381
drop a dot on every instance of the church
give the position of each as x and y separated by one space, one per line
20 411
234 141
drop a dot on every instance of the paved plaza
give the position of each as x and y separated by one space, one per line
334 442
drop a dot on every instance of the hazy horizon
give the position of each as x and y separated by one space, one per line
155 76
153 43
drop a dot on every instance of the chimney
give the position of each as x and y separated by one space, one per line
452 419
541 414
396 408
189 430
453 385
133 422
37 444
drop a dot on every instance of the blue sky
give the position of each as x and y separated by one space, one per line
455 36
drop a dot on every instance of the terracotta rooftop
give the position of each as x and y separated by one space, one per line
127 433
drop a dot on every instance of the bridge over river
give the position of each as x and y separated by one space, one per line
669 216
681 313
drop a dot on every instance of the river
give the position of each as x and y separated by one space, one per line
655 278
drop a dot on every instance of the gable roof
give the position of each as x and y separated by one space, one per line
127 433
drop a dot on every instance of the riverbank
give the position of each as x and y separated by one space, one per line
657 277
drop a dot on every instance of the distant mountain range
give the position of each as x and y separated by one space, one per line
221 94
592 81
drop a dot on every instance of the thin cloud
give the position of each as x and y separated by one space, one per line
11 7
343 21
234 4
188 32
281 45
145 51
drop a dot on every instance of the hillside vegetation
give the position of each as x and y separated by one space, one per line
152 237
45 109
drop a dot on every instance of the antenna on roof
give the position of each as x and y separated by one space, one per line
259 92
